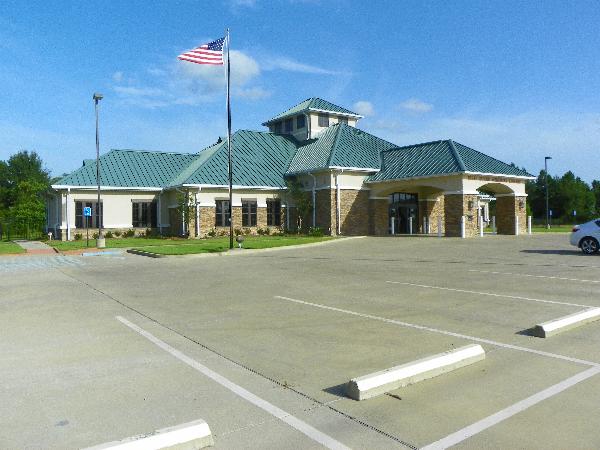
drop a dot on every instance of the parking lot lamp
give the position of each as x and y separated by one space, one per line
100 242
546 183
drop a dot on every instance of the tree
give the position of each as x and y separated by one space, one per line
596 191
301 200
23 181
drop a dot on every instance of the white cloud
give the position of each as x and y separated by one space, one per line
117 77
291 65
364 108
253 93
416 106
184 83
243 69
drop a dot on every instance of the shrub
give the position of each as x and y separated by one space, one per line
237 231
315 232
129 233
78 237
223 233
260 231
95 235
267 231
117 233
212 233
247 231
108 235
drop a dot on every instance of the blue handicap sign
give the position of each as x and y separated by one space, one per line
87 211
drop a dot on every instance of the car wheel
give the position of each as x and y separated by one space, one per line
589 245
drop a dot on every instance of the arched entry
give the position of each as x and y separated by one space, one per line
509 211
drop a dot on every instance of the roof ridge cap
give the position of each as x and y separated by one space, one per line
456 155
335 143
131 150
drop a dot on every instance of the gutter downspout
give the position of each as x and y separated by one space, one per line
197 227
314 200
67 214
337 203
183 224
159 212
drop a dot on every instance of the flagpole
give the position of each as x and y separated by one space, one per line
229 147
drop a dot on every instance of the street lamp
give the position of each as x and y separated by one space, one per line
100 242
546 174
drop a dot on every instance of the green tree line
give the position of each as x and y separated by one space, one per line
23 182
566 194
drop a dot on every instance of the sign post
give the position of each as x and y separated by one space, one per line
87 213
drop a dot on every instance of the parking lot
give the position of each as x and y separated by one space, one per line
259 344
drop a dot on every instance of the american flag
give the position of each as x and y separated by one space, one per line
211 53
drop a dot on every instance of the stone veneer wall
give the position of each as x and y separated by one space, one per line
378 216
432 210
354 212
208 219
325 211
507 208
455 206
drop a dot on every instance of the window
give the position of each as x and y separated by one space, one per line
92 222
300 122
323 120
289 125
248 213
273 212
343 120
222 212
277 127
143 214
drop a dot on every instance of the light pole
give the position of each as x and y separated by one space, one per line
100 242
546 183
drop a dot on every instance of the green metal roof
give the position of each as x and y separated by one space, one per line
259 159
340 145
130 168
313 104
439 158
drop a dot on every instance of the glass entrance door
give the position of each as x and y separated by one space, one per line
402 208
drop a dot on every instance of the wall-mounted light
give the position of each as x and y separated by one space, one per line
521 204
470 204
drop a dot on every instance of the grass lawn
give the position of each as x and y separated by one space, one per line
118 243
7 248
222 244
553 229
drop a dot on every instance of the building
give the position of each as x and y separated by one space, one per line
359 184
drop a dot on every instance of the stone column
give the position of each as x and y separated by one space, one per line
325 211
457 205
354 212
508 207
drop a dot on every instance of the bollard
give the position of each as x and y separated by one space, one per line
529 225
481 226
393 225
463 231
494 224
410 228
516 225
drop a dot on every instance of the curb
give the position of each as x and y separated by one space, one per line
134 251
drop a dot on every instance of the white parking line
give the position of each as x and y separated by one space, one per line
447 333
294 422
533 276
490 294
504 414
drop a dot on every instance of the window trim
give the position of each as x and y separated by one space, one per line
223 205
148 219
249 213
324 118
273 212
79 218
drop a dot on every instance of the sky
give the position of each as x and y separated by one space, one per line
517 80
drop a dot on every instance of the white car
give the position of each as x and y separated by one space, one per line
587 236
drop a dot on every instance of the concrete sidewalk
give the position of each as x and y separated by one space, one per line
35 247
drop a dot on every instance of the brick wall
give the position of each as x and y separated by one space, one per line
325 210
